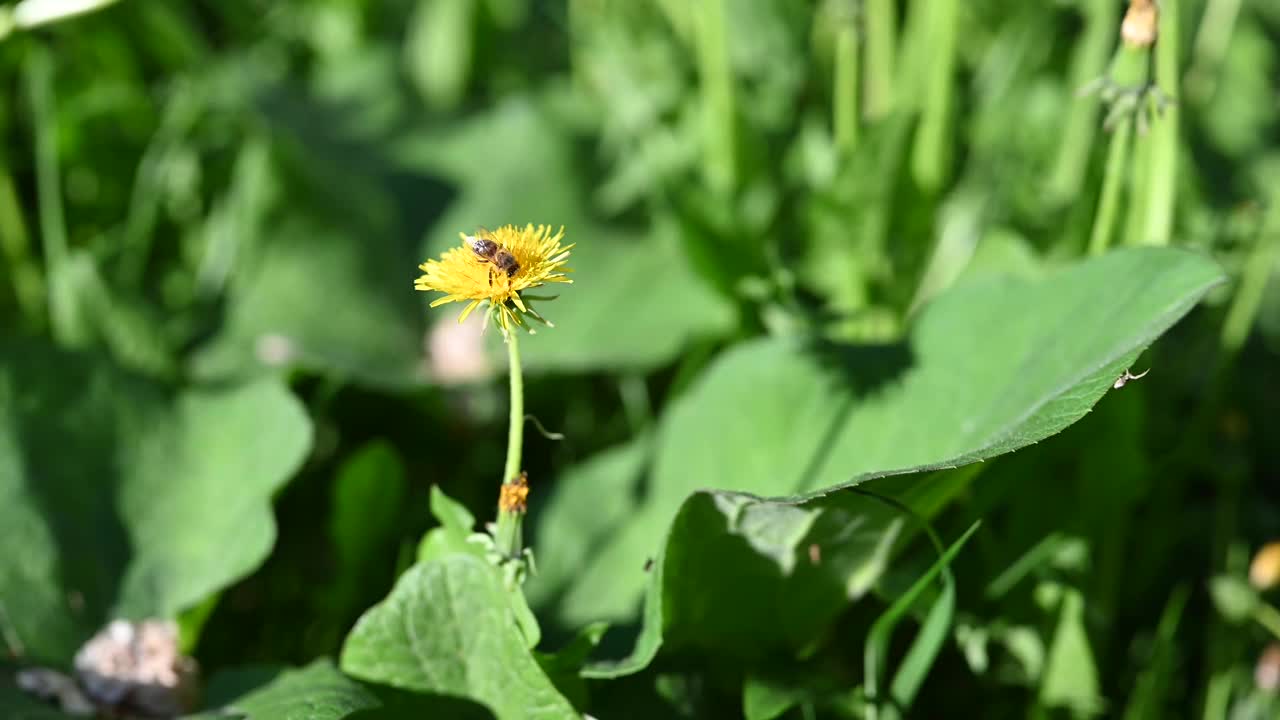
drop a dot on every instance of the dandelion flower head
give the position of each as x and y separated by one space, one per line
463 275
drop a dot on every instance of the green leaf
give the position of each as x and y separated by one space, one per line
456 525
367 497
1070 677
803 563
586 505
316 692
634 302
448 628
128 498
924 649
1016 361
317 296
367 501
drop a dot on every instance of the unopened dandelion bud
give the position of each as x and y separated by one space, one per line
1140 24
1264 571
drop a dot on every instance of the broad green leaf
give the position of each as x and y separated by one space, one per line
367 501
989 367
634 302
448 628
128 498
323 297
316 692
803 563
586 505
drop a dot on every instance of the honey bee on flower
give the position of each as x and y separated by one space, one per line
494 268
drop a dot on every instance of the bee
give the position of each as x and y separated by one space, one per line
488 251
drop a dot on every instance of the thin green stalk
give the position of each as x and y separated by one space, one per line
1268 617
880 40
845 119
1253 283
15 243
53 230
1088 63
931 157
1113 180
1163 168
1212 39
719 126
508 534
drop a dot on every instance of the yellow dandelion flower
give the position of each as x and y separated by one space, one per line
494 268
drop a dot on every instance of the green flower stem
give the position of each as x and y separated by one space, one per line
1253 283
845 108
931 156
1089 62
1117 158
15 246
1216 26
718 109
508 533
1163 162
1268 617
53 229
879 40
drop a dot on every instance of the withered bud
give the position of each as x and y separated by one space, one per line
1264 571
1140 24
137 667
514 497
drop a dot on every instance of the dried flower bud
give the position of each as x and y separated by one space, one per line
1266 674
137 667
1140 24
1264 571
514 497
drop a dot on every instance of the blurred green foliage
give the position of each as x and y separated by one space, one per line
830 255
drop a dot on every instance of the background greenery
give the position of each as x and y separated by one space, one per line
830 254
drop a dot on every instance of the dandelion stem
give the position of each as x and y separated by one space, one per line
1117 157
846 86
880 38
1253 283
508 532
1162 171
1089 62
931 156
53 229
1268 617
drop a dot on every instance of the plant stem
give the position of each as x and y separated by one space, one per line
1268 617
880 38
1088 63
1253 282
931 156
1117 157
508 533
1162 171
845 107
53 229
28 284
719 125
